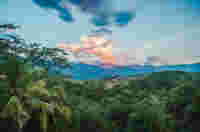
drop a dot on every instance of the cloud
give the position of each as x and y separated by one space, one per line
101 31
97 50
103 12
124 17
93 46
58 5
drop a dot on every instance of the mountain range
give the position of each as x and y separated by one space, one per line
82 71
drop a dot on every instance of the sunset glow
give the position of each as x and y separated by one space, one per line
95 45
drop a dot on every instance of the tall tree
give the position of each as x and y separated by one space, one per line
16 55
15 52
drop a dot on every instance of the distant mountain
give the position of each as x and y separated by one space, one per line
90 72
171 75
82 71
163 60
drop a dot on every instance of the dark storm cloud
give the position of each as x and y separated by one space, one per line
123 18
87 5
102 31
100 21
102 14
195 4
64 13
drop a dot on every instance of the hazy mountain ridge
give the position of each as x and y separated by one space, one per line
82 71
154 79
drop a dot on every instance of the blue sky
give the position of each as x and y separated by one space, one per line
170 28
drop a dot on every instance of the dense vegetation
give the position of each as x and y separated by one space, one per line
30 99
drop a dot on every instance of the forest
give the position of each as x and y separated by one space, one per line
33 100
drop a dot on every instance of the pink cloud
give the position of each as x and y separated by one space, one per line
103 50
94 45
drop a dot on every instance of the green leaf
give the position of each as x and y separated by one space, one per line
4 98
43 120
60 123
3 87
36 100
52 91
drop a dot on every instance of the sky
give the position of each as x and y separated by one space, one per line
169 29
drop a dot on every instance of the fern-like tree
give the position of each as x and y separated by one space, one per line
17 61
15 52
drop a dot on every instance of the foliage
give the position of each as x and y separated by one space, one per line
155 102
24 93
34 53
